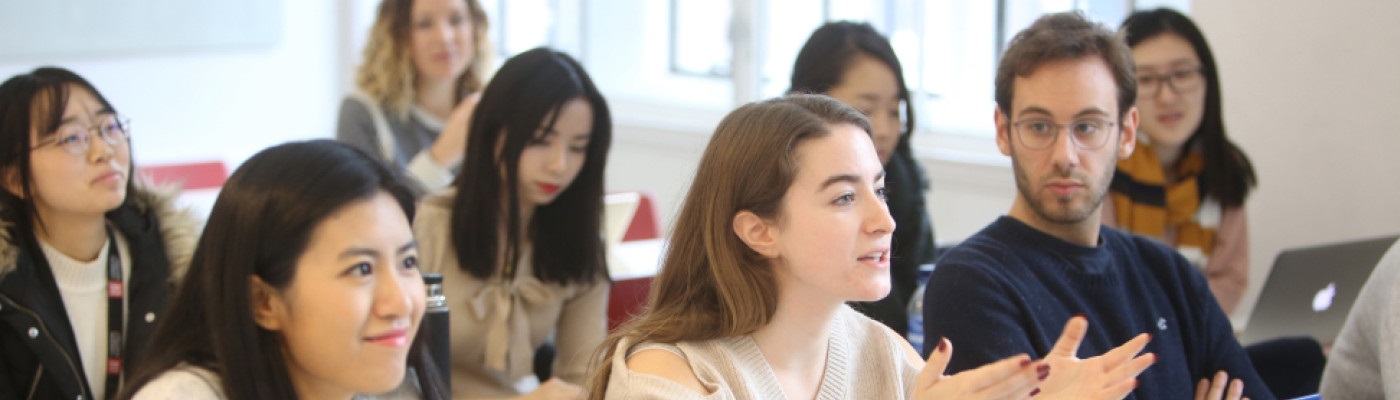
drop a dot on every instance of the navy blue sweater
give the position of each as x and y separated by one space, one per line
1010 288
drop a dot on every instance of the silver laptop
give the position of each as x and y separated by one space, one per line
1311 289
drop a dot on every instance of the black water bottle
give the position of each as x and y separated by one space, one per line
435 327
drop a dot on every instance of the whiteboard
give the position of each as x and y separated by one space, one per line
63 28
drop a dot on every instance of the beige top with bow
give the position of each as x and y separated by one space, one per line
497 324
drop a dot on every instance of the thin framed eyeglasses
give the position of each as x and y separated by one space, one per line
75 139
1040 134
1179 81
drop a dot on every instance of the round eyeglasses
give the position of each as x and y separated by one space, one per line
1040 134
74 137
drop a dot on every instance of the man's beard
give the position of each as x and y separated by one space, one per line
1066 214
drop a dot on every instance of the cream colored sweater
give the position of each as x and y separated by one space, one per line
863 361
497 325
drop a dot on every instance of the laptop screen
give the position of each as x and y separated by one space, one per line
1311 289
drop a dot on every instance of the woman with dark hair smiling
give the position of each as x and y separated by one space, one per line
305 284
88 256
517 236
853 63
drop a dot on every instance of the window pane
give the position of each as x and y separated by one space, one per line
700 37
520 25
527 24
629 45
872 11
789 24
1021 13
959 62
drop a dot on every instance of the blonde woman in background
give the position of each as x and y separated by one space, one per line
423 65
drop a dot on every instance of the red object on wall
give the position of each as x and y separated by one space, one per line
190 176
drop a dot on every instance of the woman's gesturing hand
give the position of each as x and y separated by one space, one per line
1111 375
1015 377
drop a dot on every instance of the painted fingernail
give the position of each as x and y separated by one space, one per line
1035 392
1025 362
943 345
1042 371
1081 315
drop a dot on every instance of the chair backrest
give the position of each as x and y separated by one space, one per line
644 222
629 295
199 181
627 298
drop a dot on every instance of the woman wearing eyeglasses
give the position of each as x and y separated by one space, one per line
1186 183
87 257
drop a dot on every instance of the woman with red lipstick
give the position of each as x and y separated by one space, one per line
87 255
517 236
853 63
1186 183
424 62
305 284
785 223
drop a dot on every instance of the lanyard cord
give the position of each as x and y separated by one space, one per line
116 292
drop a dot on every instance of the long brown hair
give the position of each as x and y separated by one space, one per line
387 74
712 285
1065 36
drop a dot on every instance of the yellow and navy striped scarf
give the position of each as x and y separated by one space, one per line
1145 204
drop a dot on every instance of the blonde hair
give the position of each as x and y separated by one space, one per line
387 74
712 285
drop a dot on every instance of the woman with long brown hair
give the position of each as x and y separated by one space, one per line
784 223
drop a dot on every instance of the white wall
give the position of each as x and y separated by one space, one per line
1310 92
222 103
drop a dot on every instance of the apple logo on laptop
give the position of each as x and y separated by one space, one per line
1323 300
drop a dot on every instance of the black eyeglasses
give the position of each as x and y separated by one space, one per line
1179 81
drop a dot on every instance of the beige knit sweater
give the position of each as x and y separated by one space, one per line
864 360
496 325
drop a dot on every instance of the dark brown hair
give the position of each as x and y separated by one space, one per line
1065 36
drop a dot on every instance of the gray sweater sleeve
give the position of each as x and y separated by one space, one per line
356 127
1365 360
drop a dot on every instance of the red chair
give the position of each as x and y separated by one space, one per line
629 296
643 224
199 181
627 299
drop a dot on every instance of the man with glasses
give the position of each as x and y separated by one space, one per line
1065 90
